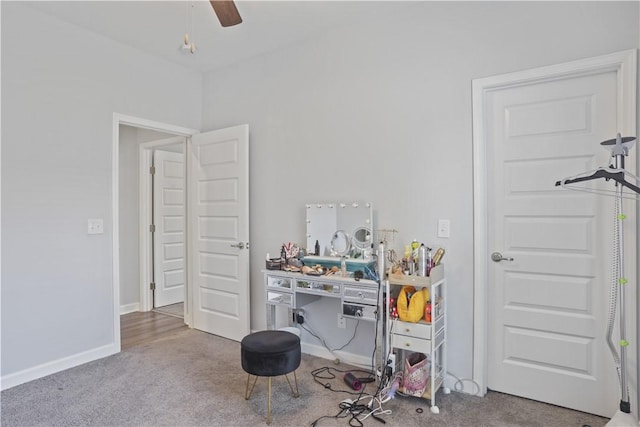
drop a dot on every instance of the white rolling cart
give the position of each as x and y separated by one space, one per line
427 337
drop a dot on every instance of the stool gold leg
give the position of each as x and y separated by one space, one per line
269 403
247 392
294 393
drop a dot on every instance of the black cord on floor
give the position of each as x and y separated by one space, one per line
302 325
325 374
353 410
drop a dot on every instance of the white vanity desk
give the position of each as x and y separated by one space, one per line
335 304
291 291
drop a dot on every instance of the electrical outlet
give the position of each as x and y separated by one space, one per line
342 322
391 363
95 226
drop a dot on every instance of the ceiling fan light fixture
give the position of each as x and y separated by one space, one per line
188 48
188 45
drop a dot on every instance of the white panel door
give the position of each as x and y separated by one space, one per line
169 236
547 308
219 231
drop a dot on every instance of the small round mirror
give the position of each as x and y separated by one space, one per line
340 243
361 238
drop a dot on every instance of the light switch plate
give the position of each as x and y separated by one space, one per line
95 226
444 228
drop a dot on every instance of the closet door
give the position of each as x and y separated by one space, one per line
547 307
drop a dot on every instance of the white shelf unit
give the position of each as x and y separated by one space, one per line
425 337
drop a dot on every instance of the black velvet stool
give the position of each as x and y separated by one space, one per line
270 354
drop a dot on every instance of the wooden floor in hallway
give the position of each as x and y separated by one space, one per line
144 327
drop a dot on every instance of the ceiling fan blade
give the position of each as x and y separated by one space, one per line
227 12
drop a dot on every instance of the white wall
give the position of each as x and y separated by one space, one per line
381 111
60 88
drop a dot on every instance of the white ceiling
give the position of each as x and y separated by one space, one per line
158 27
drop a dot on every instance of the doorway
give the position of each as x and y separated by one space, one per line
131 267
541 302
163 215
217 227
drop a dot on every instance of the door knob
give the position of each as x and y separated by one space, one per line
497 257
239 245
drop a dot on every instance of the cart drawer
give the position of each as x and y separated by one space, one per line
411 343
416 330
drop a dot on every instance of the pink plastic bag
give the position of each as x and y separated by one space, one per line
416 374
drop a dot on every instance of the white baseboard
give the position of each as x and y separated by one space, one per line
129 308
363 362
30 374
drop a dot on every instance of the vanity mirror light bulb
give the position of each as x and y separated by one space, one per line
355 205
342 205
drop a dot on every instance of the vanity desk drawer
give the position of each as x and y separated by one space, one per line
279 298
319 288
360 295
277 282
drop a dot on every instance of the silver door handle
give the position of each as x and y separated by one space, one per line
239 245
497 257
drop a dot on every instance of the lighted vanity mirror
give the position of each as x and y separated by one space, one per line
361 243
340 244
341 229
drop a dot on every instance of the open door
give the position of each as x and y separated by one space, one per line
218 229
168 241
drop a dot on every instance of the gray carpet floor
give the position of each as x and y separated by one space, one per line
195 379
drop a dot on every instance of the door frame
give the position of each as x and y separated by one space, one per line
145 160
121 119
624 64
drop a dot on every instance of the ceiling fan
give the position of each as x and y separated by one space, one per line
226 12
